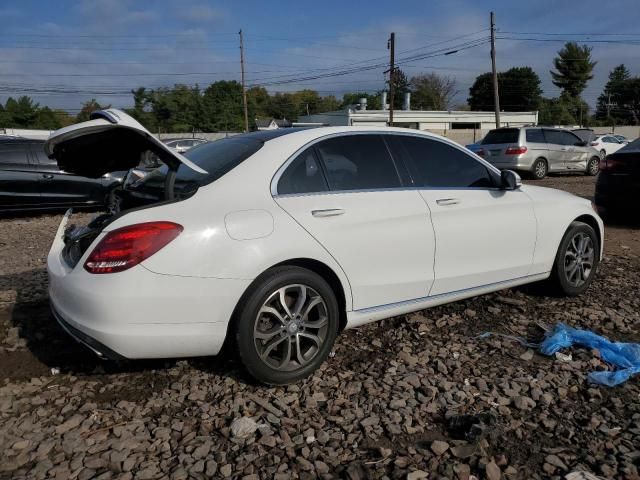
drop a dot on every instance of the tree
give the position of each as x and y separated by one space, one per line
432 91
607 107
401 86
629 99
555 111
88 108
574 68
519 89
22 113
374 101
222 106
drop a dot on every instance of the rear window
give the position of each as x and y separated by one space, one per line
502 135
217 158
633 147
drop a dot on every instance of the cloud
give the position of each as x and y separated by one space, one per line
199 13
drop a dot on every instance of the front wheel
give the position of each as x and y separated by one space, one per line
287 325
593 167
603 153
576 260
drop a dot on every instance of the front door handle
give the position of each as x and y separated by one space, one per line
328 212
448 201
47 176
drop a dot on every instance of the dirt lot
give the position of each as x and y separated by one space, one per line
385 405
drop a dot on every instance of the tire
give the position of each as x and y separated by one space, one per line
539 169
603 153
564 279
279 340
593 166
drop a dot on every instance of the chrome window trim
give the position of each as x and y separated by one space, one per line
276 178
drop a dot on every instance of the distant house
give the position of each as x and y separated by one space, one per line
271 123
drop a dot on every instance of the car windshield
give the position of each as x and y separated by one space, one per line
502 135
216 158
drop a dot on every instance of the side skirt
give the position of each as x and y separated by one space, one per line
367 315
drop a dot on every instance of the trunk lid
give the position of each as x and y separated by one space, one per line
111 140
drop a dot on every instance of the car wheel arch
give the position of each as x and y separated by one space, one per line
593 223
316 266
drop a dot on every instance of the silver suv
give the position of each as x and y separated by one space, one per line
538 151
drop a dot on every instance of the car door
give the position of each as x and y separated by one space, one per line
347 193
19 177
557 149
484 235
61 188
536 144
576 154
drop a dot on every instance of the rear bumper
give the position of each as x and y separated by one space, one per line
516 162
140 314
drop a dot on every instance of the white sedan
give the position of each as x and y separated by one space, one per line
275 241
607 144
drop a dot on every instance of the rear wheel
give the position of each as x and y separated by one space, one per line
287 325
539 169
593 167
576 260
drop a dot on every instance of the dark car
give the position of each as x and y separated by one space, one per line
31 181
618 185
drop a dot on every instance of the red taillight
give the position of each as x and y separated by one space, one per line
609 165
515 150
125 247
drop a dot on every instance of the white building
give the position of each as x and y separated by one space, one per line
437 121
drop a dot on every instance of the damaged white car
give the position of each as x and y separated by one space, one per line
275 241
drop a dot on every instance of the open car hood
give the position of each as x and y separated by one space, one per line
110 141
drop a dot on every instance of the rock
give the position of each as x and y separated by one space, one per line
527 356
493 471
523 403
439 447
555 460
464 451
226 470
243 427
417 475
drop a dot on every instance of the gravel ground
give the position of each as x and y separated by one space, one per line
391 403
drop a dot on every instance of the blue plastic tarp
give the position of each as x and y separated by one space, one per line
625 356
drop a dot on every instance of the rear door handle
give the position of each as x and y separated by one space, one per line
47 176
448 201
328 212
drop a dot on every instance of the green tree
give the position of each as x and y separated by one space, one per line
519 89
21 113
607 107
401 85
432 91
88 108
374 101
574 68
222 107
629 99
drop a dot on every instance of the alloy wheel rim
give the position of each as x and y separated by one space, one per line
291 327
541 169
578 259
594 167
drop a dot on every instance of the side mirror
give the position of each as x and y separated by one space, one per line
510 180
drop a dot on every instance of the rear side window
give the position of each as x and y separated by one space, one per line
303 175
14 153
435 164
357 162
535 136
502 135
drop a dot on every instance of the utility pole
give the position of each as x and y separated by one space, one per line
496 95
244 88
391 45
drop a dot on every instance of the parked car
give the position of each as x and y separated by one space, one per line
474 147
621 138
618 185
276 240
181 145
606 144
31 181
538 151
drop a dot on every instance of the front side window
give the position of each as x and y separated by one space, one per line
435 164
554 136
303 175
357 162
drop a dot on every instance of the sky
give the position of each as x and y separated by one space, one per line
66 52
